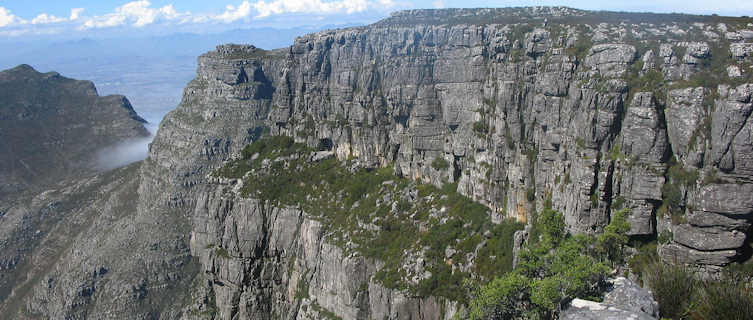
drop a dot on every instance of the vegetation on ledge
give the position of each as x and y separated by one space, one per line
374 213
552 271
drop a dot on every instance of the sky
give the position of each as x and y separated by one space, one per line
19 18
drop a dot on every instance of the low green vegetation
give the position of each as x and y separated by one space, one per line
531 194
324 313
581 47
440 163
552 270
371 212
650 81
580 143
302 290
681 295
711 177
611 243
644 258
222 253
678 179
480 127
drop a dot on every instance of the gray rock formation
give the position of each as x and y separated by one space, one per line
522 111
624 300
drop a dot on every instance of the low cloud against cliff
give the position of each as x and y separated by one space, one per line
125 152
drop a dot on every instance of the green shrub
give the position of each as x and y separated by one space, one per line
581 47
531 194
680 175
618 202
222 253
594 199
652 81
665 237
728 298
552 226
495 257
711 177
480 127
324 313
612 241
615 153
646 255
302 290
672 196
580 142
549 272
682 296
673 287
546 295
502 298
567 178
440 163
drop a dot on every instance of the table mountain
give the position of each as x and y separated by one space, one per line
516 109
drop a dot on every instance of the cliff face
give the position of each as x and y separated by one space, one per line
593 111
594 116
638 112
648 116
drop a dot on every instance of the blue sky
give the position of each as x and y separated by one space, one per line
82 17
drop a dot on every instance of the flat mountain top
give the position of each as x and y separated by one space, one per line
566 15
51 127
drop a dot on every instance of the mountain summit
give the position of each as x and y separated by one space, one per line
52 127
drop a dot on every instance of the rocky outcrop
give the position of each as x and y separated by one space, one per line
525 106
268 262
624 300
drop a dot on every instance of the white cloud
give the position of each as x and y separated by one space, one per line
439 4
232 13
138 13
7 18
141 13
76 13
265 9
45 19
16 32
110 20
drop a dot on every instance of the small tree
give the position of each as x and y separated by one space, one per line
501 299
611 243
552 225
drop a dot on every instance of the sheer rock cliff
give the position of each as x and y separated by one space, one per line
593 111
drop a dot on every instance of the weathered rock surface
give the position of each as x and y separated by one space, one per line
624 300
523 104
